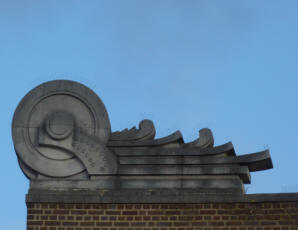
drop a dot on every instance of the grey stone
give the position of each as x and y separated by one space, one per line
63 140
225 149
146 196
31 115
254 161
146 131
242 171
206 139
140 182
172 140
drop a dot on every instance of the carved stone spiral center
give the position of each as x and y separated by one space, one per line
59 125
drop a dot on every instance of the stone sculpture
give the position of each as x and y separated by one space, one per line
63 140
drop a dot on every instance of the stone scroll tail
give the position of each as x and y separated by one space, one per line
205 140
146 131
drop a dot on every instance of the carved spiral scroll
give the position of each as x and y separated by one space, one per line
49 125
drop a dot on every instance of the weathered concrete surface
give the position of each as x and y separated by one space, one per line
63 140
33 115
155 196
141 182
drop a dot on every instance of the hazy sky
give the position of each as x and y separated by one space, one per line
231 66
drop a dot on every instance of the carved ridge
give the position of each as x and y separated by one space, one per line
146 131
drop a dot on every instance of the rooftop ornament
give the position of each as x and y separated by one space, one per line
63 140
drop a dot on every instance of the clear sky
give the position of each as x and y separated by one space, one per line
231 66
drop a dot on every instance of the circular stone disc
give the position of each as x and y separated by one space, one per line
57 97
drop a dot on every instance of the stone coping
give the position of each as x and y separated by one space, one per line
153 196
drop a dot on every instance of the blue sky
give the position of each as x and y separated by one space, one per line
231 66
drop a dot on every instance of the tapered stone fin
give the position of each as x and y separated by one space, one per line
174 139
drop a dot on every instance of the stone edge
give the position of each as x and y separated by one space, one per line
145 197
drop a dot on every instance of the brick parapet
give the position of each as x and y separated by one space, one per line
213 216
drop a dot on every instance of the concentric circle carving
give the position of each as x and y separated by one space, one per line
59 125
57 108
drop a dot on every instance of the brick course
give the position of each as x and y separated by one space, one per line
219 216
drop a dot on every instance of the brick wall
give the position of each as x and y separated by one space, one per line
233 216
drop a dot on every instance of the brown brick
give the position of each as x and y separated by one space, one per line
79 217
201 223
121 218
155 212
138 224
44 206
70 223
130 213
89 223
78 212
34 211
121 224
70 218
103 223
87 218
164 218
233 223
241 216
61 218
285 222
163 224
155 218
86 206
176 212
52 223
138 218
113 212
53 206
190 212
216 223
179 224
155 206
251 223
207 218
95 212
34 223
207 212
30 217
104 218
95 217
173 218
30 205
53 218
241 212
61 212
146 218
47 212
151 224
